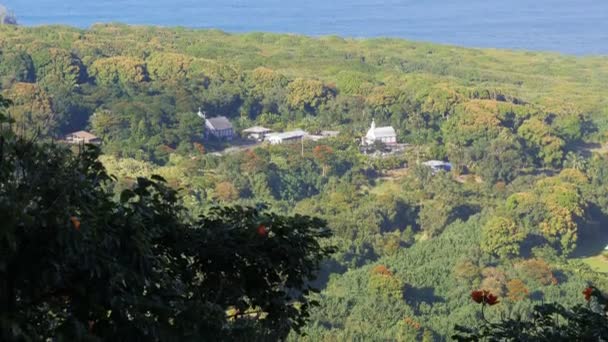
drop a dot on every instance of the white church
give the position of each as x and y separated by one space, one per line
385 134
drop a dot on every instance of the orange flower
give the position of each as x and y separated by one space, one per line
588 292
75 222
492 299
477 296
262 231
484 297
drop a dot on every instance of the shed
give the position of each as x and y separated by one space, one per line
256 132
279 138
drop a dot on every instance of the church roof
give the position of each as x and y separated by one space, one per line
381 132
387 131
219 123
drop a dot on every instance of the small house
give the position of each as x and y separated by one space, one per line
256 133
285 137
386 135
82 137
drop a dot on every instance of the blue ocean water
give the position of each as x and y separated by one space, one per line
568 26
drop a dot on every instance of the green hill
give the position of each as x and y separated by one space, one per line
525 133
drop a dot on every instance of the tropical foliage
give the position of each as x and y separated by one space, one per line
519 214
77 263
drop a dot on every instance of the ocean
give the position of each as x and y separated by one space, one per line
572 27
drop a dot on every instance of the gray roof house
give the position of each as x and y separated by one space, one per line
218 127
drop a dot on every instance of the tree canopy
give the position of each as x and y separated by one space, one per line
80 262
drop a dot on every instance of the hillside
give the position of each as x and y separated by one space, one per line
521 212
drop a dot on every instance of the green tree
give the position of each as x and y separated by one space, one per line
383 283
226 191
353 83
123 71
58 68
434 216
564 206
76 264
106 124
308 95
16 67
33 109
575 161
169 66
538 135
501 236
502 159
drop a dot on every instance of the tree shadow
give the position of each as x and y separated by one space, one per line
415 296
537 296
464 212
328 268
560 276
592 239
586 149
530 242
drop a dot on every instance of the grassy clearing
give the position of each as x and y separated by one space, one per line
386 187
598 263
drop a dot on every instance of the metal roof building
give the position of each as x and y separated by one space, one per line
279 138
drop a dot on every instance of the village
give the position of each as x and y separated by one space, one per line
378 142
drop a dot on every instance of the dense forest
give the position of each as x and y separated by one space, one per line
522 213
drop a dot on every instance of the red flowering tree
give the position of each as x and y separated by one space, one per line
484 297
383 282
323 154
548 322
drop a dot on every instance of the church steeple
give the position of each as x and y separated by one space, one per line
373 124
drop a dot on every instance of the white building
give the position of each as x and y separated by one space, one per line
280 138
386 135
257 132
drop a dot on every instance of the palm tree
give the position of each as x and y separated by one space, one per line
575 161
